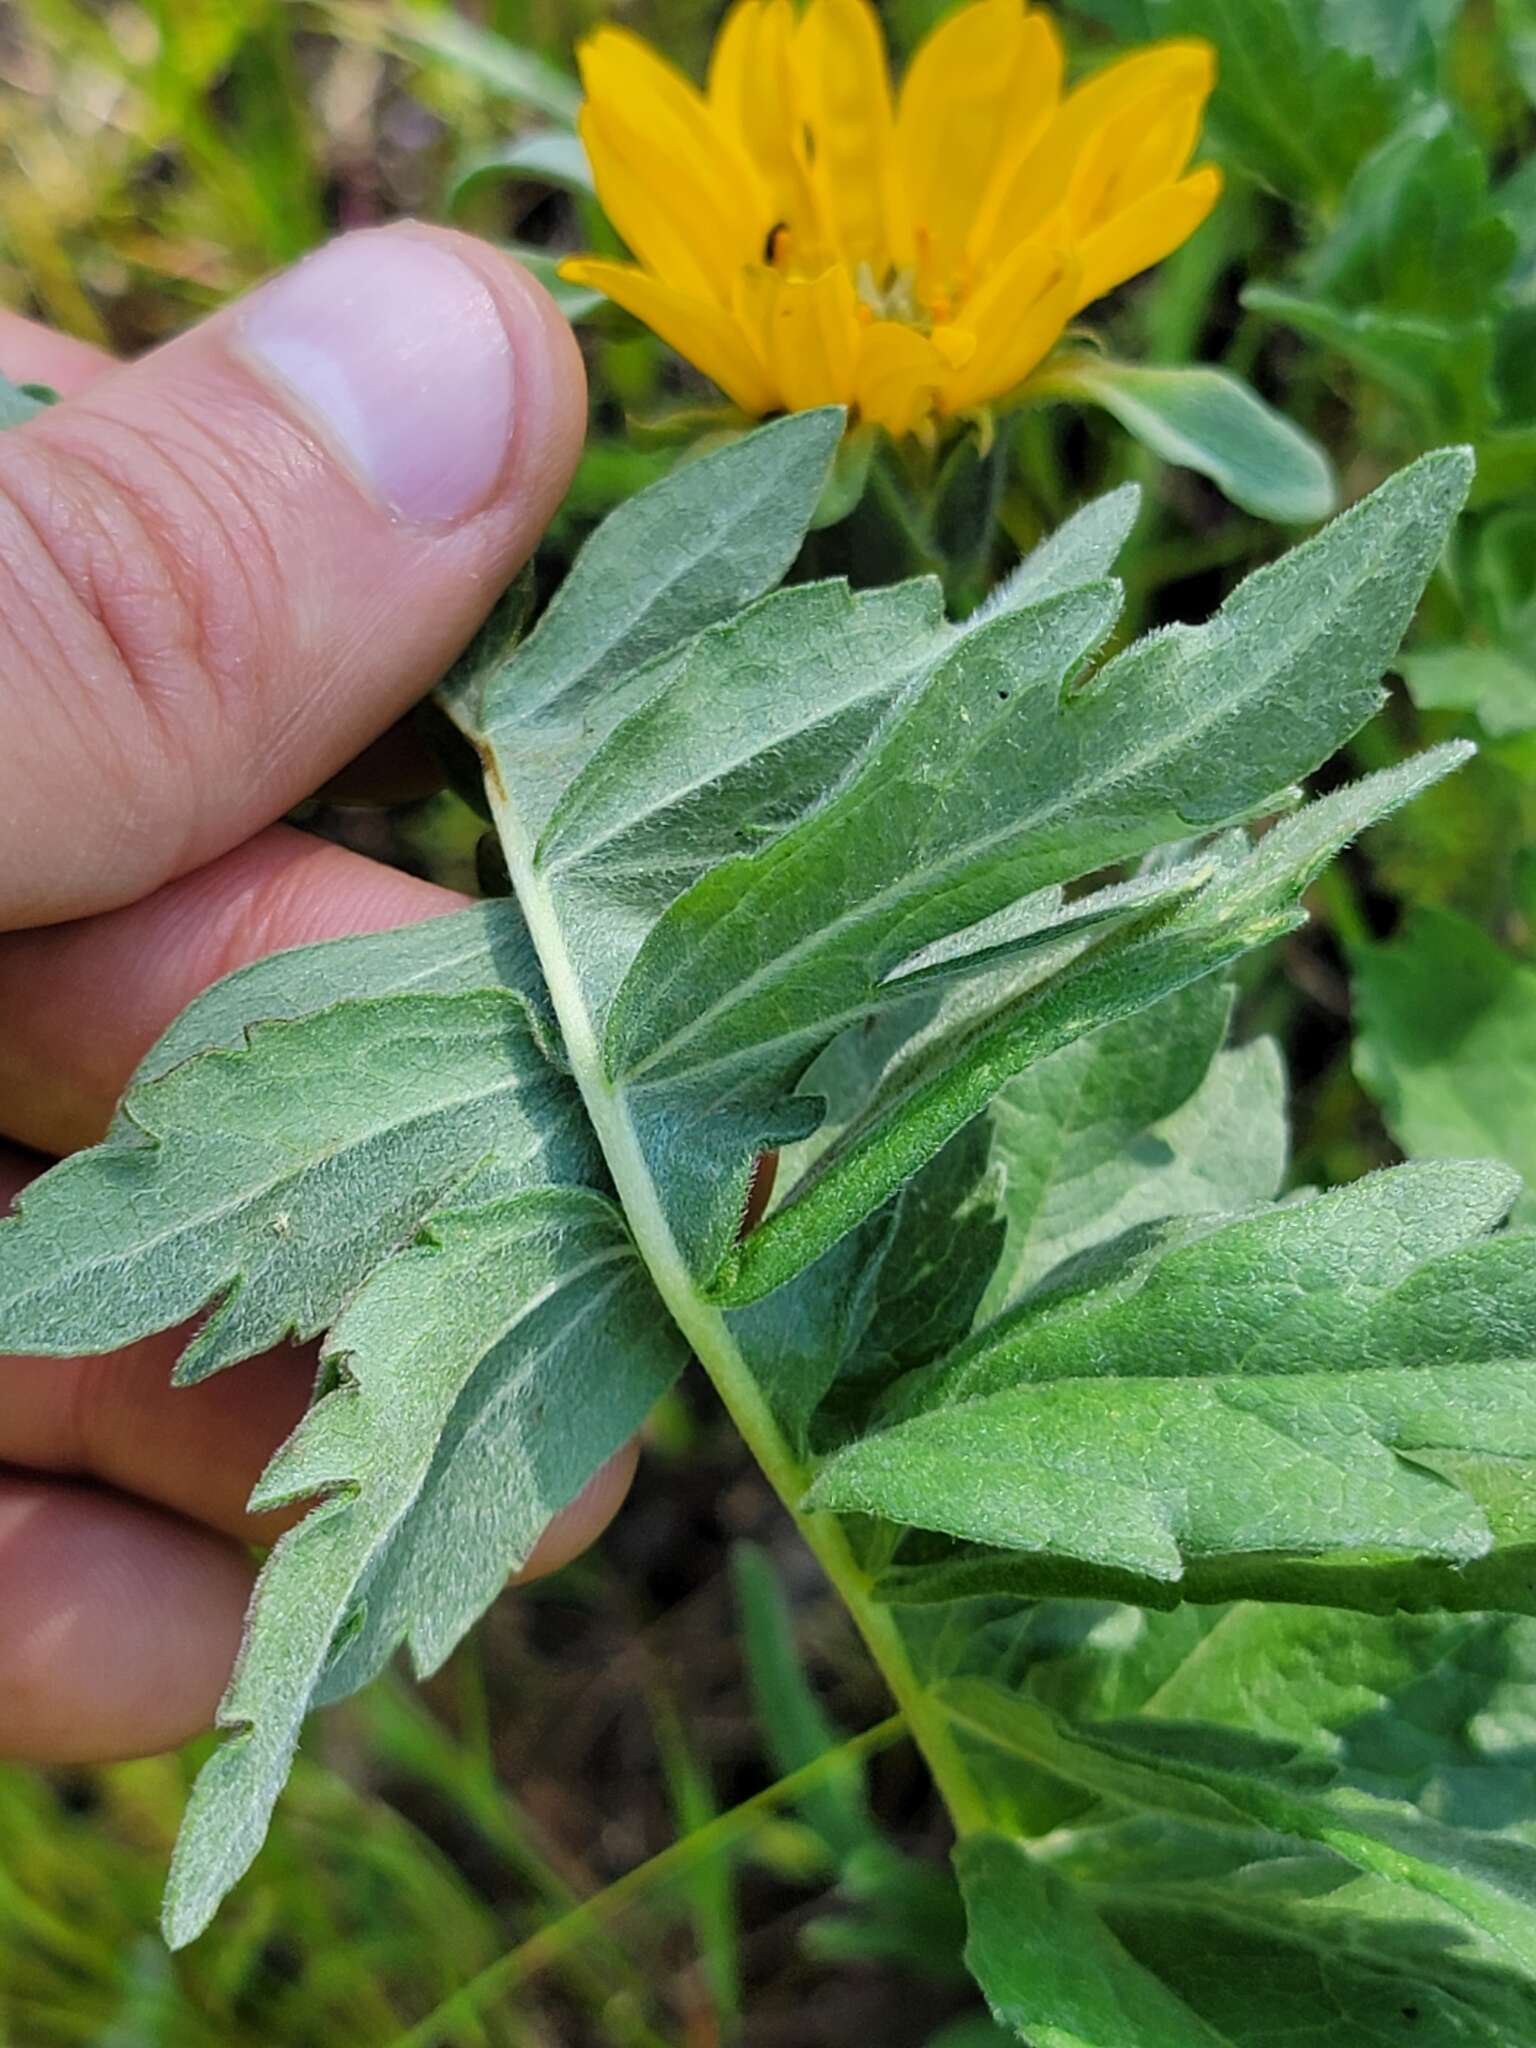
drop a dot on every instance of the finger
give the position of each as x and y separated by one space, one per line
199 1450
32 354
118 1623
227 567
66 1055
395 768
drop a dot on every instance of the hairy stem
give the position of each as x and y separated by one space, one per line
706 1329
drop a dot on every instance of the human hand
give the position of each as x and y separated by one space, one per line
224 570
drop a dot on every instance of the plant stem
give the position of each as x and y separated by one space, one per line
707 1330
553 1939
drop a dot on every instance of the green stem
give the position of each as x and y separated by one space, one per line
551 1941
707 1330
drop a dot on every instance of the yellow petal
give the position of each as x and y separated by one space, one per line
807 331
976 95
1146 232
696 327
1038 186
898 373
1141 150
845 99
955 345
1162 71
1017 318
678 188
733 60
751 90
752 95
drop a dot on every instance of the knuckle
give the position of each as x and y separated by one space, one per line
144 557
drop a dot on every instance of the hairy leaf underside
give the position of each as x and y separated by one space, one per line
941 912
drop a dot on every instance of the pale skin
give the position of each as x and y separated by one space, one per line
205 612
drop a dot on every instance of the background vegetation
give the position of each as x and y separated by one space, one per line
1373 271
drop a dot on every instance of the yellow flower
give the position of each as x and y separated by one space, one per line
806 239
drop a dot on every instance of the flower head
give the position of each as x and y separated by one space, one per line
806 238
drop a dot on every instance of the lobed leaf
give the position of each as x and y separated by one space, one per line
801 868
1433 1714
1142 1120
478 1380
957 1065
676 558
1293 107
989 782
268 1181
1218 1779
1300 1381
483 947
1407 284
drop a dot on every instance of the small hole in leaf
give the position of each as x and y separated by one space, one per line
1002 696
1410 2012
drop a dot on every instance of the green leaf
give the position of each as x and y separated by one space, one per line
1208 421
1407 282
1205 1406
1419 231
1492 682
762 846
1447 1043
960 1063
1426 1709
1272 1953
483 947
1051 1970
749 728
1136 1122
19 402
894 1294
269 1180
1247 1951
689 551
1217 1779
1083 550
1438 370
768 955
1292 107
478 1380
575 301
1400 39
444 36
545 156
742 739
1262 1940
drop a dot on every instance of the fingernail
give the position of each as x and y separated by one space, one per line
397 351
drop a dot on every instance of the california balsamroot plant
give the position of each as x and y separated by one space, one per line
942 912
